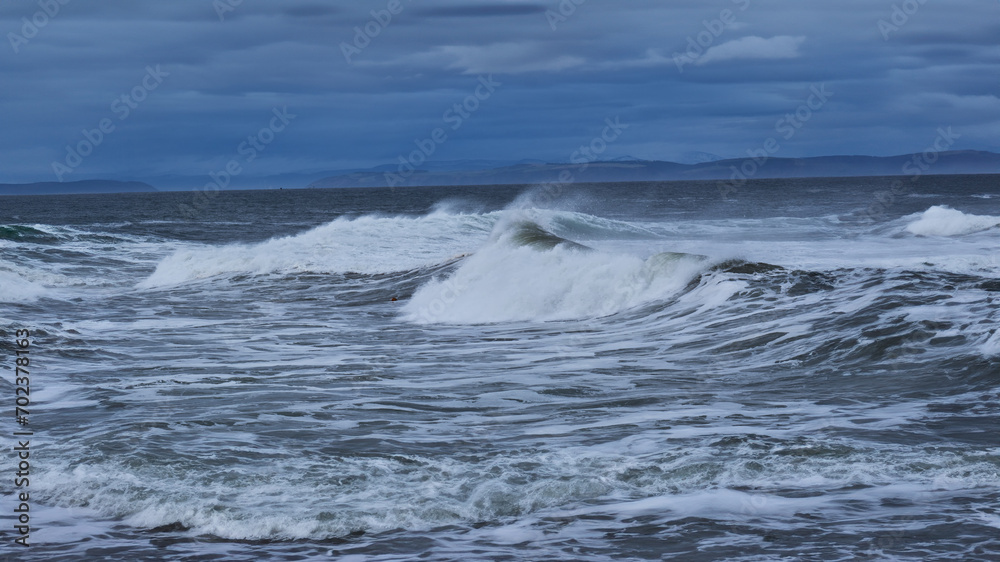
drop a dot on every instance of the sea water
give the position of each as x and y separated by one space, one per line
803 369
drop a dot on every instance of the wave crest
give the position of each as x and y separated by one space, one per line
945 221
367 245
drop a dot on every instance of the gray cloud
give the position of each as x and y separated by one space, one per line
484 10
311 11
605 59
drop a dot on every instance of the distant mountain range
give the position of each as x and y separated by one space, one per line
491 172
944 163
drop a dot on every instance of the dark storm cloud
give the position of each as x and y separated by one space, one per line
983 34
563 71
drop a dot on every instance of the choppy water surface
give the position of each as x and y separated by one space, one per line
627 371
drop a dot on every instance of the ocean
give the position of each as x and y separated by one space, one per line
804 369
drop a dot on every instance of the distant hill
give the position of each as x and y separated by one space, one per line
294 180
954 162
527 172
74 187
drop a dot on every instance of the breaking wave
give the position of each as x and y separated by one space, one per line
945 221
527 273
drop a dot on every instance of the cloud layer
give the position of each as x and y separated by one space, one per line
369 80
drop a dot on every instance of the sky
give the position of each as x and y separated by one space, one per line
131 89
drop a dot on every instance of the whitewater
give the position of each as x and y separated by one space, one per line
628 371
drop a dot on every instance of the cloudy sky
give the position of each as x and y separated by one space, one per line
327 86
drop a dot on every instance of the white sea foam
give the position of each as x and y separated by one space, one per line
342 495
991 347
945 221
15 288
368 244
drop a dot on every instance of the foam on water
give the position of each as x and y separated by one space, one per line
991 347
945 221
15 288
305 496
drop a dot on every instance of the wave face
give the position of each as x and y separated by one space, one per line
527 273
630 372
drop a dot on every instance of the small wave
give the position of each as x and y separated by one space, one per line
62 234
945 221
20 233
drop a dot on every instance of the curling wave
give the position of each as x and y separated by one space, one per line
527 273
